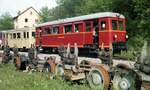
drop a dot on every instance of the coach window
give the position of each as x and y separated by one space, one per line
76 29
114 24
88 27
68 28
121 25
14 35
55 30
18 35
11 35
27 34
103 25
47 31
24 34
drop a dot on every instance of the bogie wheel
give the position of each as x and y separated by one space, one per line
17 62
126 79
98 78
59 71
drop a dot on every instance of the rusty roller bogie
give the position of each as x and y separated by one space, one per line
96 74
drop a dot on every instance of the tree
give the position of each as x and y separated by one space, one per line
6 21
94 6
46 14
142 8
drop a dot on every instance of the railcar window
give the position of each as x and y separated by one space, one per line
18 35
55 30
114 24
76 27
103 25
88 27
33 34
68 28
24 34
47 31
121 25
14 35
27 34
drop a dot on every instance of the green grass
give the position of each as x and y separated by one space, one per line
10 79
126 55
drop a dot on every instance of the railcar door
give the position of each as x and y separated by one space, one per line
95 33
104 35
39 38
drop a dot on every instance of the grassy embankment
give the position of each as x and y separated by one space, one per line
10 79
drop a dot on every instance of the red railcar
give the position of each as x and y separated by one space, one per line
88 31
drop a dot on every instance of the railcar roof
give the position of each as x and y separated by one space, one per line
83 17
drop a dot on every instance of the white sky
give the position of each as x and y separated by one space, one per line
13 6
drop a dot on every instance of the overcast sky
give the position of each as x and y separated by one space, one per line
13 6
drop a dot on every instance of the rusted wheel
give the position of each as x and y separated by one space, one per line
98 78
125 78
17 62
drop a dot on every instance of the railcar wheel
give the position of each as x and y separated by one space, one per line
17 62
98 78
125 78
59 71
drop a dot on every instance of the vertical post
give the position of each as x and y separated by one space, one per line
110 55
76 53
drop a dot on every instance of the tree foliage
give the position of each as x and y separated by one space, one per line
46 14
6 21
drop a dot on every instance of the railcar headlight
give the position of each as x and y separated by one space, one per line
127 36
115 36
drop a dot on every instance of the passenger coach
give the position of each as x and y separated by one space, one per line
88 31
21 38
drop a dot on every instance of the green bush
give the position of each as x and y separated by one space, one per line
136 43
